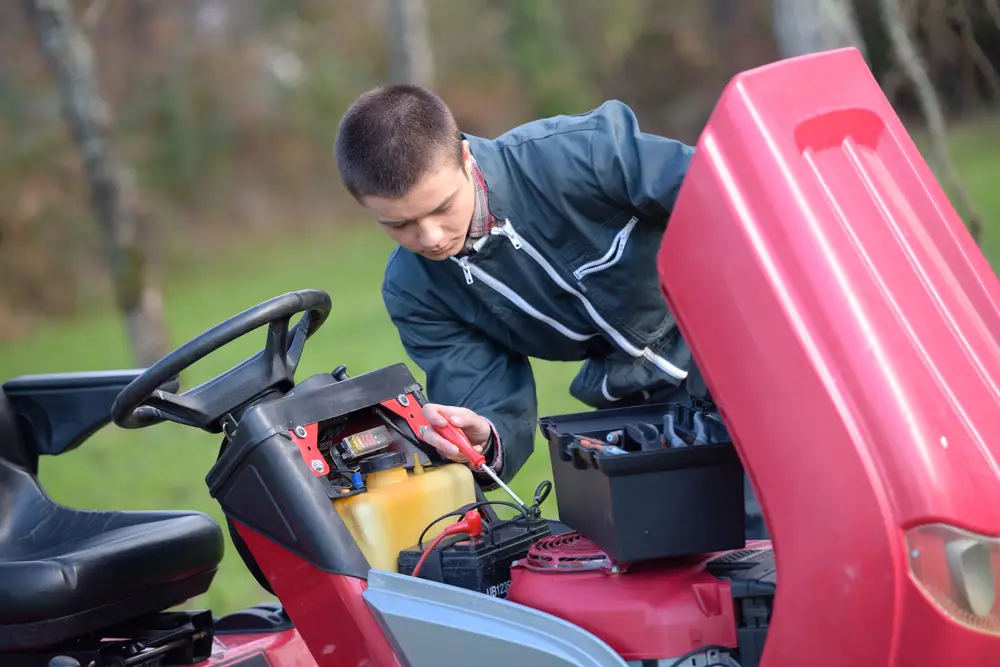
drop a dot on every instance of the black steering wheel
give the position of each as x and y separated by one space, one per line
144 403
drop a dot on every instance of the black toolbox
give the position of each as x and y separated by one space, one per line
670 485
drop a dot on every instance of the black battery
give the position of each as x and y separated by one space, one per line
482 563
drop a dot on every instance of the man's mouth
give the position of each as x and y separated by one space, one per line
440 251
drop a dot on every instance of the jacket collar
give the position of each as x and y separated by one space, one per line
487 156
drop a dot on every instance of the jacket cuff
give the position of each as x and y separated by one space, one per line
493 451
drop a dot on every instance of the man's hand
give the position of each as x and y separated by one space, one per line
477 429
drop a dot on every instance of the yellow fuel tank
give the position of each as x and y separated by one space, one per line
399 504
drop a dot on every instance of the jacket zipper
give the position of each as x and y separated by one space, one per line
470 270
612 256
507 229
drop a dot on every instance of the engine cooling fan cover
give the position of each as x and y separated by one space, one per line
567 552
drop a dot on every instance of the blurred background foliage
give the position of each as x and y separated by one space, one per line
218 117
226 109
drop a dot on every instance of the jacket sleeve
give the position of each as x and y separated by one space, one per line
465 368
639 171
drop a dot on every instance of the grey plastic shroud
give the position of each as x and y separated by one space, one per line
435 625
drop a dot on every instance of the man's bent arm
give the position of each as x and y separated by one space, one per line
635 169
466 369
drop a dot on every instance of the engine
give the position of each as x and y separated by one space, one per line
664 588
716 605
659 587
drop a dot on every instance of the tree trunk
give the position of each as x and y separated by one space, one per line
111 182
909 60
411 59
810 26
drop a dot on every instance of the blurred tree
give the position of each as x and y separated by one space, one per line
993 8
225 109
411 59
977 59
112 186
819 25
897 24
547 59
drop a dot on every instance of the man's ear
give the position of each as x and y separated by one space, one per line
466 159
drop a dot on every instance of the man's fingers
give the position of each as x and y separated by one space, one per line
448 450
438 442
434 415
459 416
437 414
474 425
459 420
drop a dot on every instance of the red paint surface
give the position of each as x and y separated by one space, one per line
327 609
279 649
847 325
412 413
646 613
310 453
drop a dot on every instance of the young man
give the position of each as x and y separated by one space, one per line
539 243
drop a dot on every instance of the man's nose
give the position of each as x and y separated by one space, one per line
430 234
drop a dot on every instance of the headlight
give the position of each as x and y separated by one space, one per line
957 570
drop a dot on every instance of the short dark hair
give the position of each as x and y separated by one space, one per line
390 137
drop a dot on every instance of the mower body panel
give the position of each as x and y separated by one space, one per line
847 325
435 625
260 649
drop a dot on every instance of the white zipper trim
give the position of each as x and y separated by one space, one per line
607 394
478 245
471 270
502 231
612 256
507 229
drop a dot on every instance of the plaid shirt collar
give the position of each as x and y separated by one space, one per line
482 220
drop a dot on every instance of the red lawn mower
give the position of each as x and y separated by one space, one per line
847 326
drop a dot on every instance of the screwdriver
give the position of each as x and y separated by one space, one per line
456 436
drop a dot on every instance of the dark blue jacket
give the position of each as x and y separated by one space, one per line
569 276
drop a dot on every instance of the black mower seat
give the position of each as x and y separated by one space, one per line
66 573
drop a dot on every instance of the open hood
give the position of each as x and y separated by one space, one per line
847 326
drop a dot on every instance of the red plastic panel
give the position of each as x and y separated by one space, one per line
412 412
266 649
327 609
847 325
310 451
647 613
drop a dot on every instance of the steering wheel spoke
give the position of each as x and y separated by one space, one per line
297 343
275 350
144 402
148 415
170 405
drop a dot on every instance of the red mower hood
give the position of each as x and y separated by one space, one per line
848 326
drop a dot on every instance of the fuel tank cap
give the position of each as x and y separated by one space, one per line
382 461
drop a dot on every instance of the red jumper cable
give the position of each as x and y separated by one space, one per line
472 525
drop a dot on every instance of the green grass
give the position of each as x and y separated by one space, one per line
165 466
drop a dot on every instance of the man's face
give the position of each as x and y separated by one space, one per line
433 218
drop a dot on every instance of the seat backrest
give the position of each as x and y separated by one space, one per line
57 412
14 447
